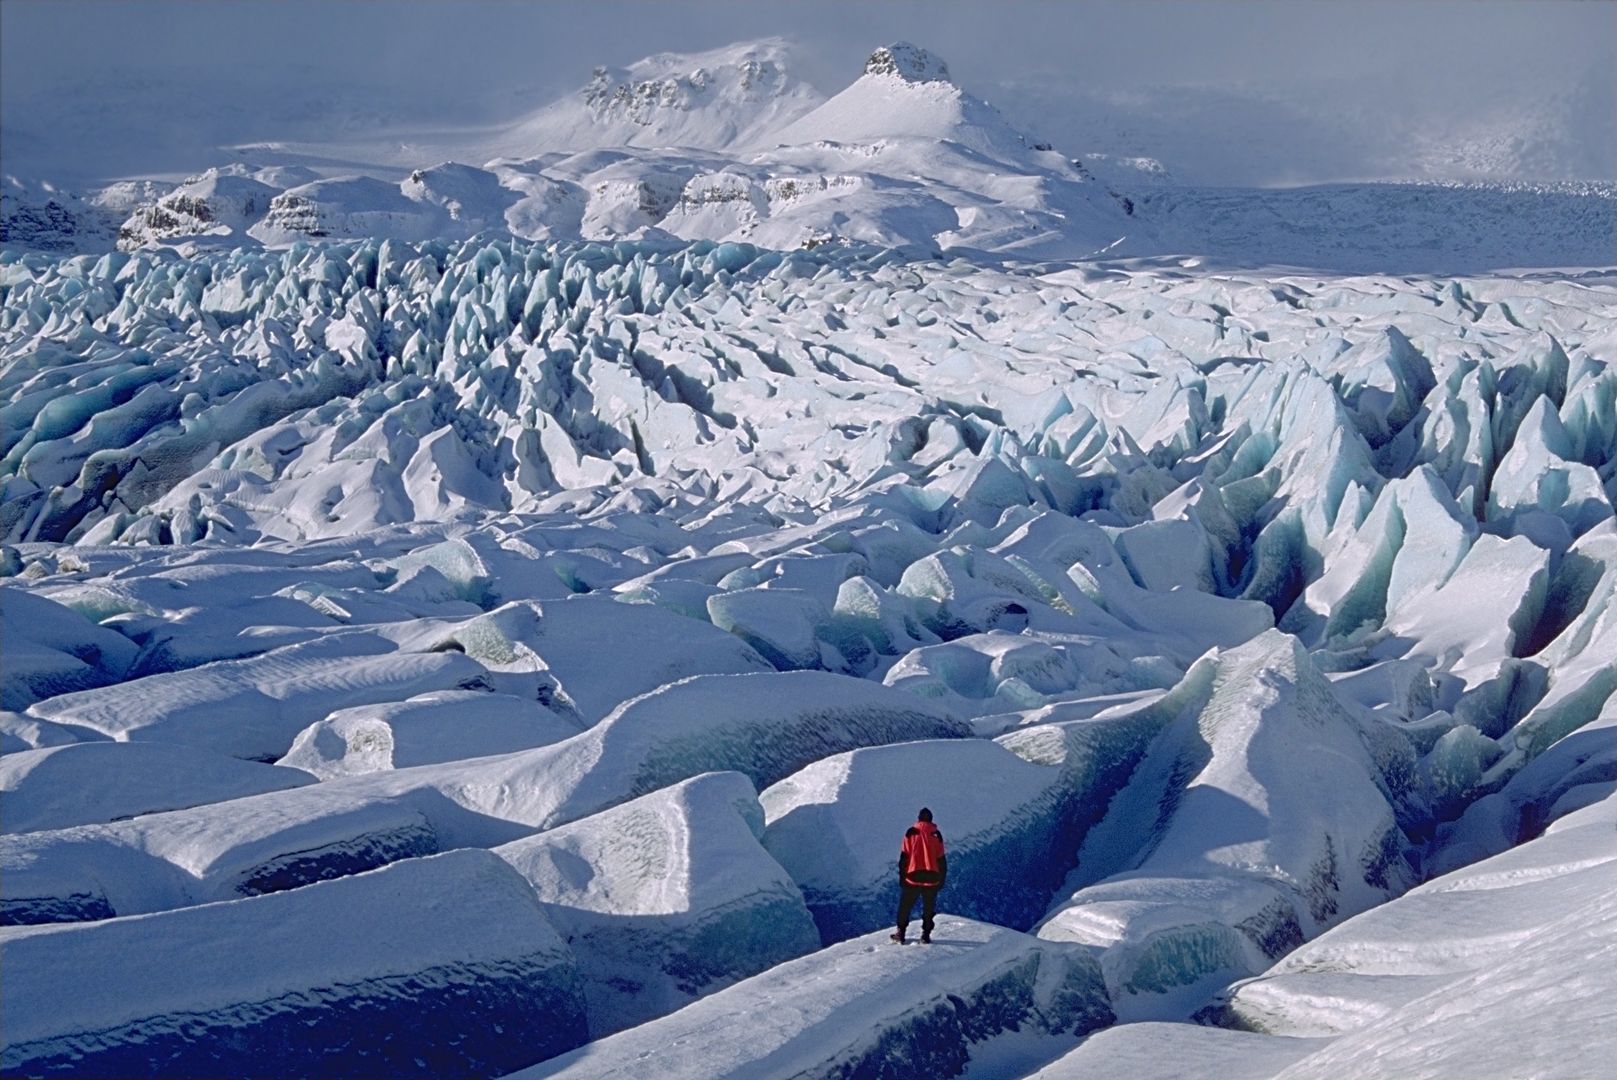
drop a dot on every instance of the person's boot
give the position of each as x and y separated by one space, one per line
926 937
898 936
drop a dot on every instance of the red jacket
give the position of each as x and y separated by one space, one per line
921 860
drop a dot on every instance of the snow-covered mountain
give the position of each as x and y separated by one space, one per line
39 216
219 205
727 145
904 93
714 100
731 145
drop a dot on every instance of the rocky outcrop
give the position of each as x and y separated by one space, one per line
42 217
908 62
217 203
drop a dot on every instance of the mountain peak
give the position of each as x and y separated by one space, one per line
908 62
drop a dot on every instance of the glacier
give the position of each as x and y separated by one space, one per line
513 611
396 550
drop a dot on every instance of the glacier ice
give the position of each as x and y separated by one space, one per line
864 1007
666 898
425 967
563 640
55 650
514 545
443 725
254 708
1454 971
1257 818
1008 825
83 783
1166 1051
179 858
765 726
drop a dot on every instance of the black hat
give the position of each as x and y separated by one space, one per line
924 815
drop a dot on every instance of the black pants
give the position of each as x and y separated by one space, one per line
927 895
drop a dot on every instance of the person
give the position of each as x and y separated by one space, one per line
922 869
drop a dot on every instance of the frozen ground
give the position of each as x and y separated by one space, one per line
527 654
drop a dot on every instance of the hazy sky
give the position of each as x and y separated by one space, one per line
1283 91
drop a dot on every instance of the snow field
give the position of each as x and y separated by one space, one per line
85 783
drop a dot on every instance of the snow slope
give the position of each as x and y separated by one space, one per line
83 783
905 92
1260 818
732 96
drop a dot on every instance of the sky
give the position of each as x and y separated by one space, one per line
1245 93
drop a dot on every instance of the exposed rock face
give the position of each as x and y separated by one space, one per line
43 218
639 101
908 62
215 203
222 202
347 206
618 95
47 226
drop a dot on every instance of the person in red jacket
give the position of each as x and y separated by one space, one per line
922 868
